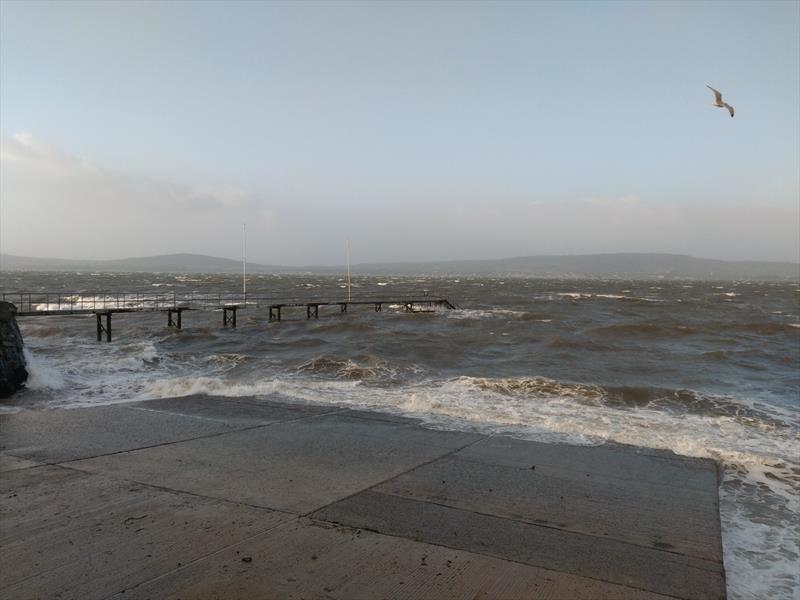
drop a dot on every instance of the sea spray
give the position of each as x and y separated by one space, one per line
43 375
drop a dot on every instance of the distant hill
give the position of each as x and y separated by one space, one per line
165 263
622 266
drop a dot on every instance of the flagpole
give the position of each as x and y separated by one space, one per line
244 262
348 271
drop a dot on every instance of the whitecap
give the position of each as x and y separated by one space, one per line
42 373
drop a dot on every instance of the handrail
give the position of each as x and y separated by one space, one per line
31 303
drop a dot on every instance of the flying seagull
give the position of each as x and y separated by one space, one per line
718 101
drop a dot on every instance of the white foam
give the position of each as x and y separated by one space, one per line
574 413
47 306
42 373
469 313
504 312
759 558
587 295
188 386
476 313
757 455
134 357
309 391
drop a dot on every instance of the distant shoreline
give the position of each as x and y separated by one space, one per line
588 266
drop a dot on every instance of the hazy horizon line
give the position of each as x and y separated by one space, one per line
259 262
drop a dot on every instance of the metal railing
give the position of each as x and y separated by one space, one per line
44 303
30 303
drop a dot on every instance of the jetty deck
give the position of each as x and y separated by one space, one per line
105 305
33 304
204 497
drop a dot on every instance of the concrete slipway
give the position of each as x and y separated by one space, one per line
202 497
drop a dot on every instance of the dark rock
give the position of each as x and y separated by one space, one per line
12 362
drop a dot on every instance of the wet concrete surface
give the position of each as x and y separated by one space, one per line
201 497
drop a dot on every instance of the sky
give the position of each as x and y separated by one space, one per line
418 130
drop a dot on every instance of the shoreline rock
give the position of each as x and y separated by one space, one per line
13 373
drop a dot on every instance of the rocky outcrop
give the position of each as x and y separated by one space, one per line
12 362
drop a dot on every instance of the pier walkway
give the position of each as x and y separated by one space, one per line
203 497
104 305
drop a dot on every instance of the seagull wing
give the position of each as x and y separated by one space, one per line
717 94
729 107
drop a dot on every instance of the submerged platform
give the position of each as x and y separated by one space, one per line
202 497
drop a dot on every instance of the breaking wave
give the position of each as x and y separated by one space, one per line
42 374
646 330
674 367
360 368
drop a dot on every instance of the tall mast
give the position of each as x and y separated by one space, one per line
244 262
348 270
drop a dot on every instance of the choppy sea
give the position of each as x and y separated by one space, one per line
700 368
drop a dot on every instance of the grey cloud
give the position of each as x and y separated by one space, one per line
58 205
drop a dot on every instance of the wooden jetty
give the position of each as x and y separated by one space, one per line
409 304
103 306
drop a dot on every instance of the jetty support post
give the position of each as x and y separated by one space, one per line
378 307
343 307
229 320
176 321
103 328
312 309
274 313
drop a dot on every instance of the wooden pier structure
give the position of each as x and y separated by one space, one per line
104 305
